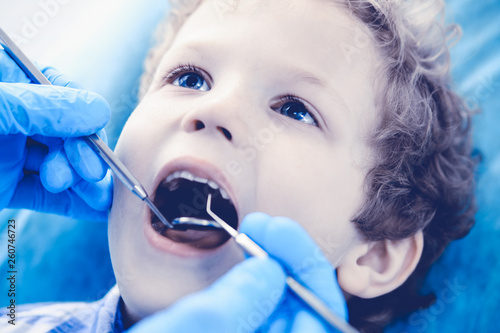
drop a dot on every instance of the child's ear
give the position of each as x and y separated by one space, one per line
376 268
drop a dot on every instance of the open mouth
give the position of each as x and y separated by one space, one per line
182 196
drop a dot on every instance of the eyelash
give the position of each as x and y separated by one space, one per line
291 98
181 69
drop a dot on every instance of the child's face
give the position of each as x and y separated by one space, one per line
227 115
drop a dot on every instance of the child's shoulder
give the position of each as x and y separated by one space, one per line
44 317
98 316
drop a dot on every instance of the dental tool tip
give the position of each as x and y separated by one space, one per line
157 212
230 230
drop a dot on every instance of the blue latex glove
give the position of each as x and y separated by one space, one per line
252 296
44 166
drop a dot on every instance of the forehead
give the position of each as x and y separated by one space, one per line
304 36
317 31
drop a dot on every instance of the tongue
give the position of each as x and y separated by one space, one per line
203 239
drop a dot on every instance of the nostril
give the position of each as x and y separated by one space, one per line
226 133
198 125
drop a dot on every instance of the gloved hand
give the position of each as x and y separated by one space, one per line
252 296
44 166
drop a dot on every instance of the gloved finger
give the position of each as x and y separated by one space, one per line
98 195
10 71
297 321
293 316
51 111
103 135
287 241
38 147
13 155
57 78
56 174
240 301
305 321
30 194
45 140
84 159
36 153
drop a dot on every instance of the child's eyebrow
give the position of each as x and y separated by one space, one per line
196 48
303 75
199 48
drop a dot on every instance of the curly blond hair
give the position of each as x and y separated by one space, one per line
423 178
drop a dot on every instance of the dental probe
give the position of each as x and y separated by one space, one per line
93 140
313 301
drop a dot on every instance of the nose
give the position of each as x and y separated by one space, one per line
197 125
224 117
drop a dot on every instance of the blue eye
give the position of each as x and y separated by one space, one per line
192 81
295 109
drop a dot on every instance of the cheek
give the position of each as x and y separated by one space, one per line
317 187
137 145
133 149
131 138
122 223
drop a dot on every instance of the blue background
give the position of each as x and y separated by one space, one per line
61 259
471 266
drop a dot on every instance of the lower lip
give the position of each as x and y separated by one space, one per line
184 250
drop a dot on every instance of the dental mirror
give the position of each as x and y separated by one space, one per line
184 223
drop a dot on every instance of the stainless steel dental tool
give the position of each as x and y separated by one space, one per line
313 301
181 223
93 140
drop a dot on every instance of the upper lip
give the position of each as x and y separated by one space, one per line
199 168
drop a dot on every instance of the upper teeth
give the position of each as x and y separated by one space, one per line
189 176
